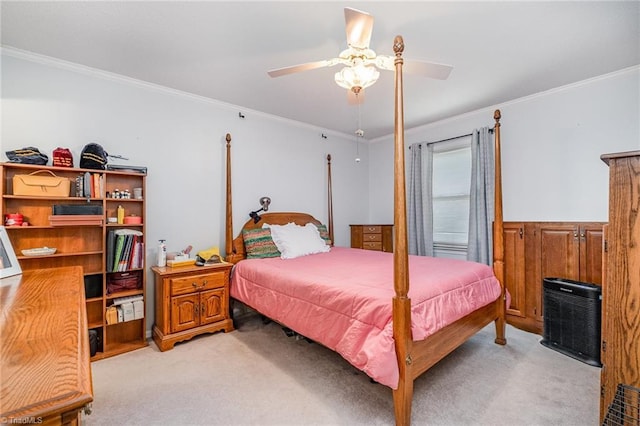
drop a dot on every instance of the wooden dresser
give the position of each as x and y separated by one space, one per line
621 287
44 357
372 237
190 300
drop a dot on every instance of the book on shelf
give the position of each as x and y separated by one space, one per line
111 246
124 256
90 185
138 309
121 250
127 311
80 186
111 315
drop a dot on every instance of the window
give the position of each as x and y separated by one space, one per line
451 188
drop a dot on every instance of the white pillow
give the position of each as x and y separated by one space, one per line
294 240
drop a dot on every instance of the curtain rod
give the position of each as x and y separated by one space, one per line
452 138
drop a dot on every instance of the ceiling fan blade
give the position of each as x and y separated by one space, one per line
359 26
428 69
353 99
298 68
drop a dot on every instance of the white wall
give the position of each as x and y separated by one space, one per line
551 147
181 139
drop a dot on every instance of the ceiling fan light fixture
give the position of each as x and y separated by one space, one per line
361 76
357 53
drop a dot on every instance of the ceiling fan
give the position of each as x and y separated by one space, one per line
361 63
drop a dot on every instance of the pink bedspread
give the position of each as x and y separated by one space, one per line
342 299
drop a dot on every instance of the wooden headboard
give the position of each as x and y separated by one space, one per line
237 251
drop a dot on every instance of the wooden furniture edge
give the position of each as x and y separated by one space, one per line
166 342
65 407
607 157
429 351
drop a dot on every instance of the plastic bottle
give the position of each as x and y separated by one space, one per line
120 215
162 254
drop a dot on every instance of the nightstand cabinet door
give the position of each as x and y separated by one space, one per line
213 306
185 312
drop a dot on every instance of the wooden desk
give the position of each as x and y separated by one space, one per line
45 372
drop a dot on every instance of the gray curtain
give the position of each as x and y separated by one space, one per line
481 212
420 210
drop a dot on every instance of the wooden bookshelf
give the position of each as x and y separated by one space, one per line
81 243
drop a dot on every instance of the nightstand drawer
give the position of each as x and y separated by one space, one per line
193 283
371 229
372 246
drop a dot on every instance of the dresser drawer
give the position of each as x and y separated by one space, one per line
193 283
372 246
371 229
371 238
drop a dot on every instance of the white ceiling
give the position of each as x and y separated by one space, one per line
222 50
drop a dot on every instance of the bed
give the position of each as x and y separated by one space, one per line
359 303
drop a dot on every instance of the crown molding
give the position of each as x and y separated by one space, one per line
119 78
489 110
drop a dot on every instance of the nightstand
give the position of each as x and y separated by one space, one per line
190 300
372 237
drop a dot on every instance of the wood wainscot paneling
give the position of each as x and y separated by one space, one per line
538 250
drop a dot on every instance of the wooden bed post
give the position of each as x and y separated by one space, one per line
498 235
403 395
229 221
330 199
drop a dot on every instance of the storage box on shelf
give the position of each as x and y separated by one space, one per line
82 240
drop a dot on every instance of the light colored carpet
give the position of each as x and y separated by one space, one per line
257 375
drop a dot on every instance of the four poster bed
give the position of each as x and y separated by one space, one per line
343 299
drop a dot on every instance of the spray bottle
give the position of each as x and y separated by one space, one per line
162 254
